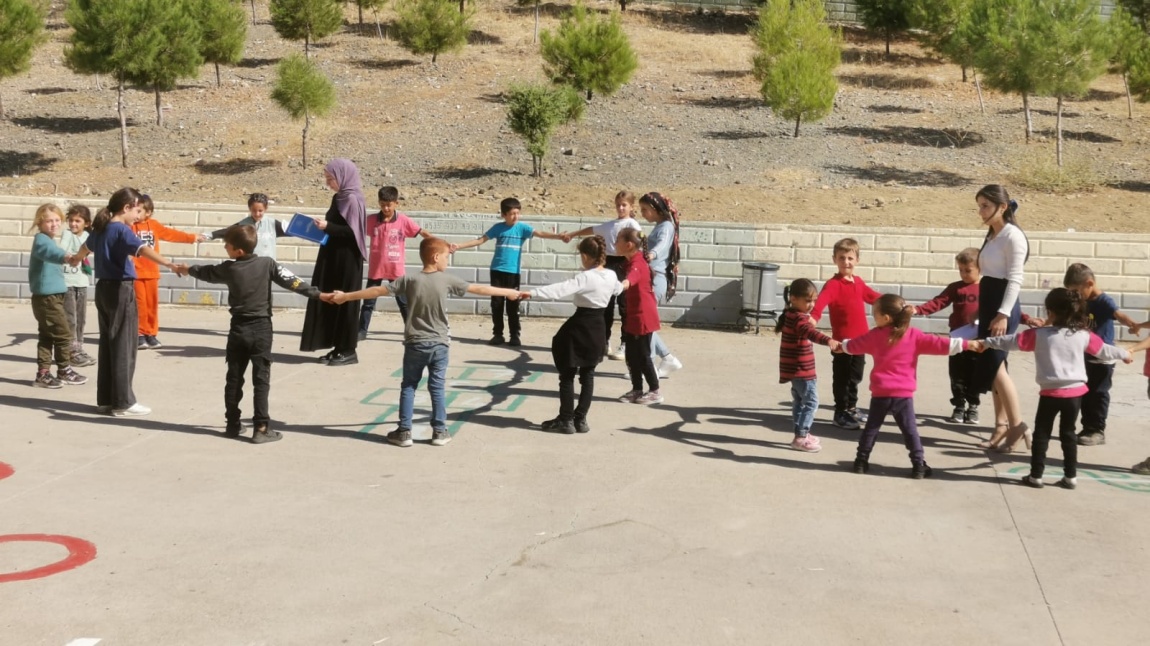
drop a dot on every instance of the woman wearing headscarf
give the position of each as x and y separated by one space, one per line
339 266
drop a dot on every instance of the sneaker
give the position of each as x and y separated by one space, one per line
233 429
141 342
581 427
81 359
631 397
617 355
1142 468
400 437
971 416
70 377
45 379
262 435
920 471
514 342
559 425
1091 438
135 410
668 365
857 416
860 466
844 420
1031 481
153 342
957 416
652 397
343 359
362 336
497 340
807 444
1068 483
440 437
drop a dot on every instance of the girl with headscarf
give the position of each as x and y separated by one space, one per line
339 266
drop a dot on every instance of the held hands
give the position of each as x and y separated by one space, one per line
565 237
835 346
976 345
1035 322
334 298
452 248
205 237
523 296
179 269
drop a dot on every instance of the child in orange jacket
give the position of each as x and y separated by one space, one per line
151 232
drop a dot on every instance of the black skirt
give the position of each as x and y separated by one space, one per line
581 341
337 266
990 293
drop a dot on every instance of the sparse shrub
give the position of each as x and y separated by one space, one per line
1036 168
432 26
306 20
535 110
303 91
798 53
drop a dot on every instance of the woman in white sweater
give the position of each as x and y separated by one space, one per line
579 344
1001 260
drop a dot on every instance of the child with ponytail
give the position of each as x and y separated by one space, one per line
640 321
895 347
797 361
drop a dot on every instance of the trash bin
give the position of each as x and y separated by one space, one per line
760 287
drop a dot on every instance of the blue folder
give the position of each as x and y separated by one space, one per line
303 226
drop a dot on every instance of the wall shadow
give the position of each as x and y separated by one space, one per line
234 166
883 174
24 163
913 136
71 125
887 81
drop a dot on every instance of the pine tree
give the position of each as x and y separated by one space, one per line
588 52
888 16
374 5
306 20
225 30
432 26
939 21
1139 10
798 53
534 111
167 47
1131 53
303 91
21 30
1008 48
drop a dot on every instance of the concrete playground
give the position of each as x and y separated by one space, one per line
690 522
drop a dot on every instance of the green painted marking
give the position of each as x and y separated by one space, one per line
1116 479
519 399
469 391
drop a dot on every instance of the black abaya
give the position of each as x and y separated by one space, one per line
338 266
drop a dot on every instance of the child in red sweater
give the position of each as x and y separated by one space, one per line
846 295
640 319
797 361
147 284
963 295
896 347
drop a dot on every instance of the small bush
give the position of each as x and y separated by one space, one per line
1036 168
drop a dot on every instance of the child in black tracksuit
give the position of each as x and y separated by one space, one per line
249 278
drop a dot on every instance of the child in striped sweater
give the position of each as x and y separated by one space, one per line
797 361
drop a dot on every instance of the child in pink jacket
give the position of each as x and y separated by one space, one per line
896 347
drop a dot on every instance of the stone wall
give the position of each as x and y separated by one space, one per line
916 263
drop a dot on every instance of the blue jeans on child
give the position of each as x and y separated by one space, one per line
659 284
417 356
368 307
805 401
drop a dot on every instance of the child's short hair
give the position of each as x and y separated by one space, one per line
242 237
626 196
1076 275
509 204
968 256
42 214
147 203
388 194
846 245
77 210
257 198
430 247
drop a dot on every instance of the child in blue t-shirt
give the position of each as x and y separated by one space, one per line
510 235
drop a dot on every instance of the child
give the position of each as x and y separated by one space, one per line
578 346
896 347
510 236
46 279
642 320
267 228
1060 370
147 284
249 277
663 257
797 362
426 334
846 294
609 231
388 231
1102 311
963 295
79 221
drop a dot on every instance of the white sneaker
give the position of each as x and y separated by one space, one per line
668 365
617 355
135 410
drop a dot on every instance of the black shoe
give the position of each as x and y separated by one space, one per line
559 425
1091 438
581 426
497 340
263 435
440 437
400 437
514 342
327 357
861 466
920 471
343 359
844 420
362 335
971 416
233 429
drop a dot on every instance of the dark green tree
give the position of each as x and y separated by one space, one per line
167 47
798 53
888 16
306 20
303 91
374 5
535 110
224 31
21 30
1131 52
939 22
432 26
1009 49
1139 10
588 52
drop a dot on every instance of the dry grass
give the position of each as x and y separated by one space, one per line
1037 168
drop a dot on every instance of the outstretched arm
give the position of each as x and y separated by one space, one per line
339 298
469 244
488 290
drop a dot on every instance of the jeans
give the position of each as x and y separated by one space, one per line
249 341
568 411
368 307
659 284
76 306
1067 410
846 373
804 403
903 410
417 356
1096 402
498 303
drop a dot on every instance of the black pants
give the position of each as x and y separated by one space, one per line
846 373
639 362
962 366
1067 410
902 409
119 325
510 281
249 341
1096 403
368 307
618 265
567 408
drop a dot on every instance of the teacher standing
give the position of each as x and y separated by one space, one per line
1004 252
338 266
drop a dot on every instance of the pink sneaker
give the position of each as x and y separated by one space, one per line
652 397
631 397
807 444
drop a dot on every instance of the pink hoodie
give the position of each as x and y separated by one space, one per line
895 366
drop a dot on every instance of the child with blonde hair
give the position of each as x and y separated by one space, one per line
46 280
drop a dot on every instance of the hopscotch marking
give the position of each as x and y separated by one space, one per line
1116 479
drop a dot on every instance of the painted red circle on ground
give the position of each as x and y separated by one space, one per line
80 552
6 470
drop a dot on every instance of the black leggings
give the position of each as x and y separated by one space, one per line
1067 409
639 361
568 411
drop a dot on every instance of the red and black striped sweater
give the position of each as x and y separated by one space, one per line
796 355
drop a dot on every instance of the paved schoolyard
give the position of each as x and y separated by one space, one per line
691 522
